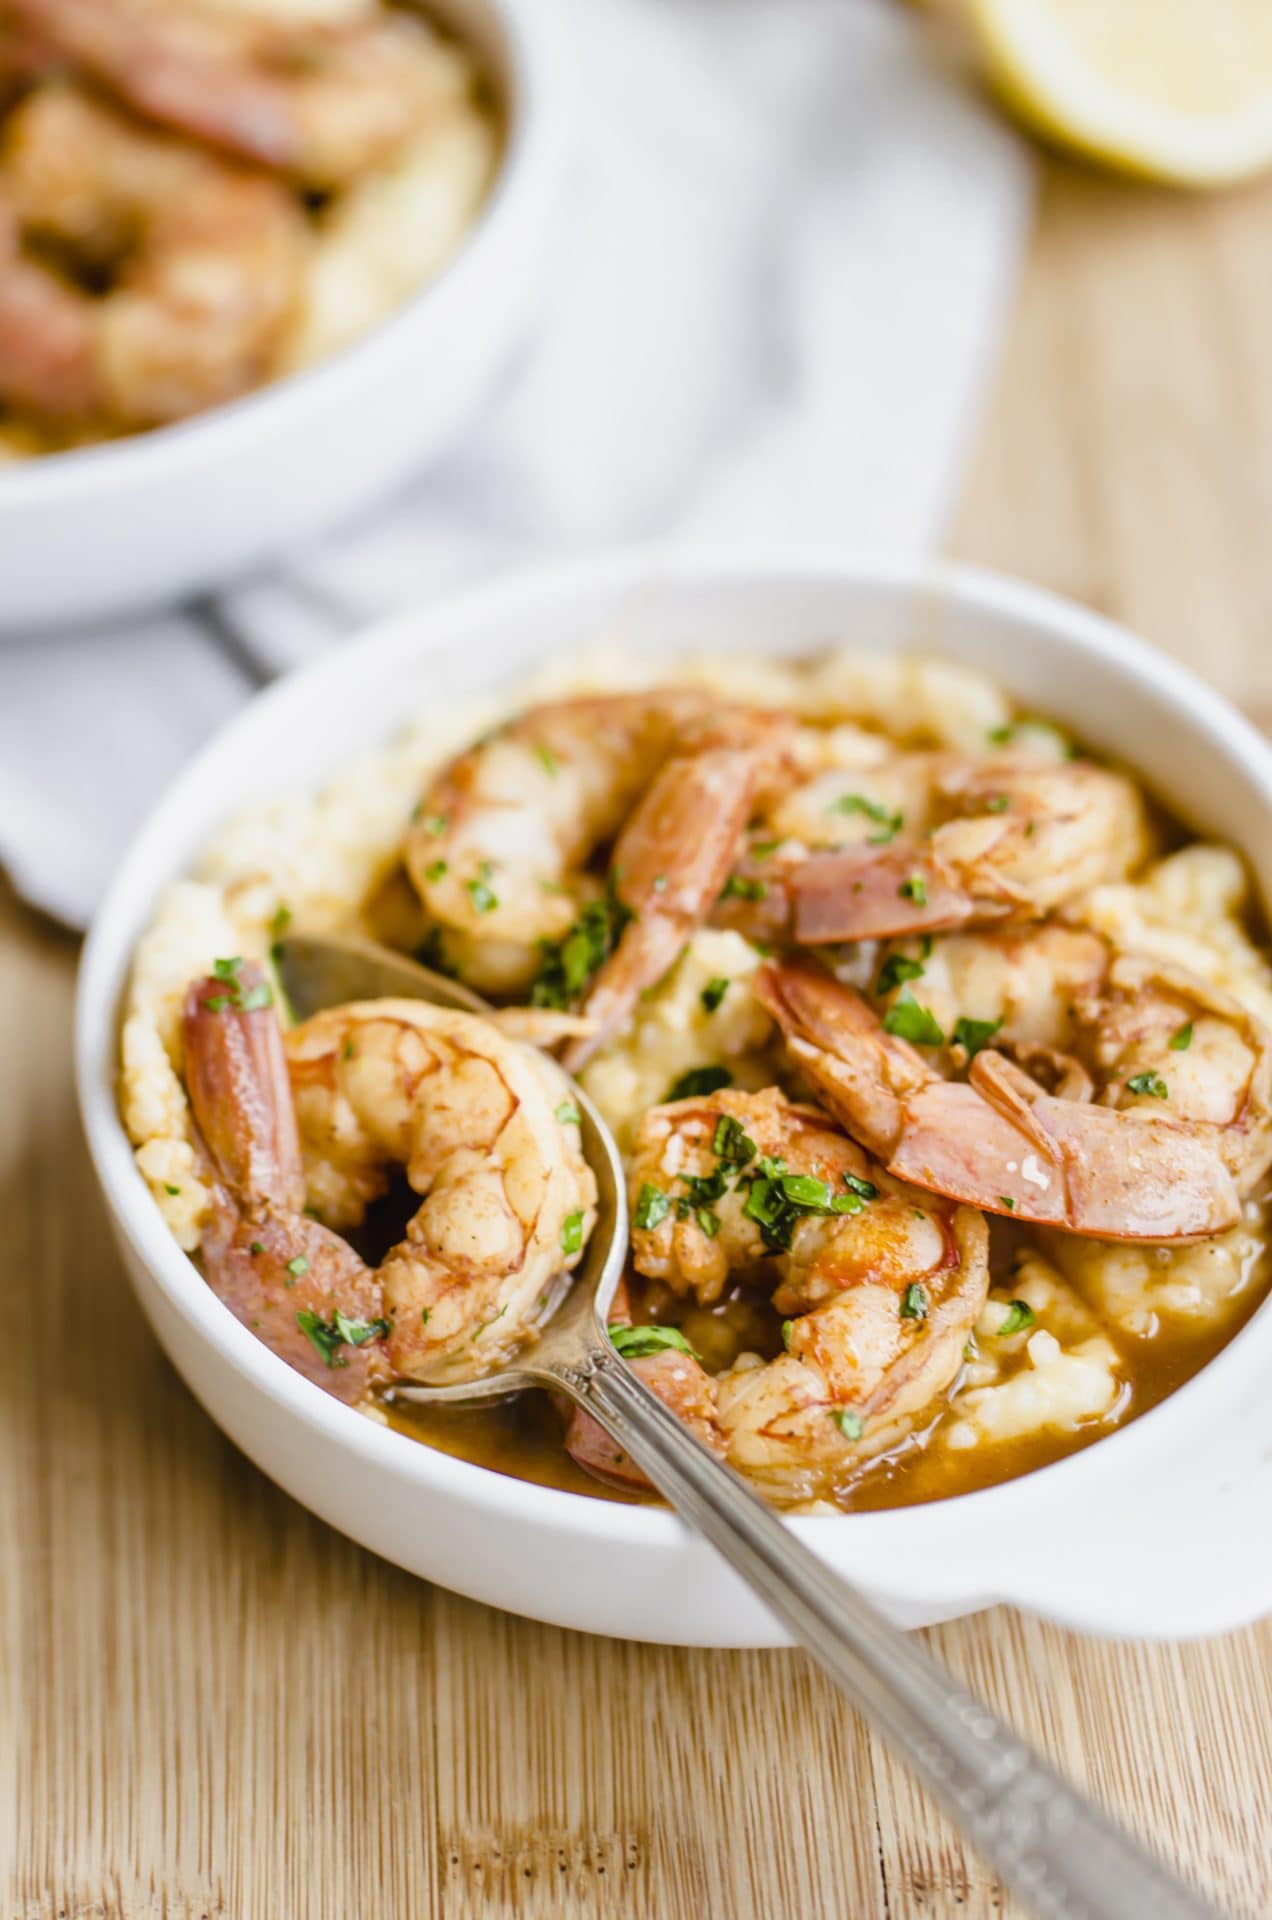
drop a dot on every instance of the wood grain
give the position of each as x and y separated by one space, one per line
210 1705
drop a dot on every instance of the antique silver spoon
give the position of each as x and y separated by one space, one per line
1057 1850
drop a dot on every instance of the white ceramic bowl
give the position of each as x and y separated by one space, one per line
135 523
1160 1529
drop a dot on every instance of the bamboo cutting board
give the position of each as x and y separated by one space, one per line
210 1705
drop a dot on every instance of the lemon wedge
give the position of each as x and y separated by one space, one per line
1175 90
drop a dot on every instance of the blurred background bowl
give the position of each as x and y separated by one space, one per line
171 513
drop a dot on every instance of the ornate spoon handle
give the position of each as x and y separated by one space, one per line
1051 1845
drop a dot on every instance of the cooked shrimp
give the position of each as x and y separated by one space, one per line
205 260
882 1284
322 102
485 1131
301 1289
939 841
499 845
1160 1125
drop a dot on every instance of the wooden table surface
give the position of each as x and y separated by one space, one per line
212 1705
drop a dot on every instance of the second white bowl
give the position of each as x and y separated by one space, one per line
110 530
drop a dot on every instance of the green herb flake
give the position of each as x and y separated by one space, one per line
1182 1040
436 870
1005 1200
436 824
281 921
806 1190
897 969
567 1114
972 1035
358 1332
547 760
227 969
914 1302
324 1337
257 1246
889 822
997 803
348 1051
1019 1316
1151 1084
480 892
298 1266
566 965
915 889
788 1327
708 1220
219 1004
731 1143
764 849
255 998
169 1188
697 1082
636 1343
659 883
572 1232
426 1314
864 1189
910 1021
741 886
713 993
652 1207
850 1424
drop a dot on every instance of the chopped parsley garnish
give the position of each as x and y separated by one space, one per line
572 1232
778 1201
972 1035
915 888
328 1336
1149 1083
547 760
568 964
436 870
713 993
740 886
999 736
652 1207
891 823
659 883
567 1114
436 824
426 1314
1019 1316
634 1343
169 1188
997 803
1005 1200
914 1302
764 849
709 1221
479 890
788 1327
243 999
897 968
850 1424
257 1246
864 1189
697 1082
1182 1040
911 1021
281 921
348 1051
298 1266
731 1143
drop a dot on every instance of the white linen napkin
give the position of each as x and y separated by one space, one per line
792 242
